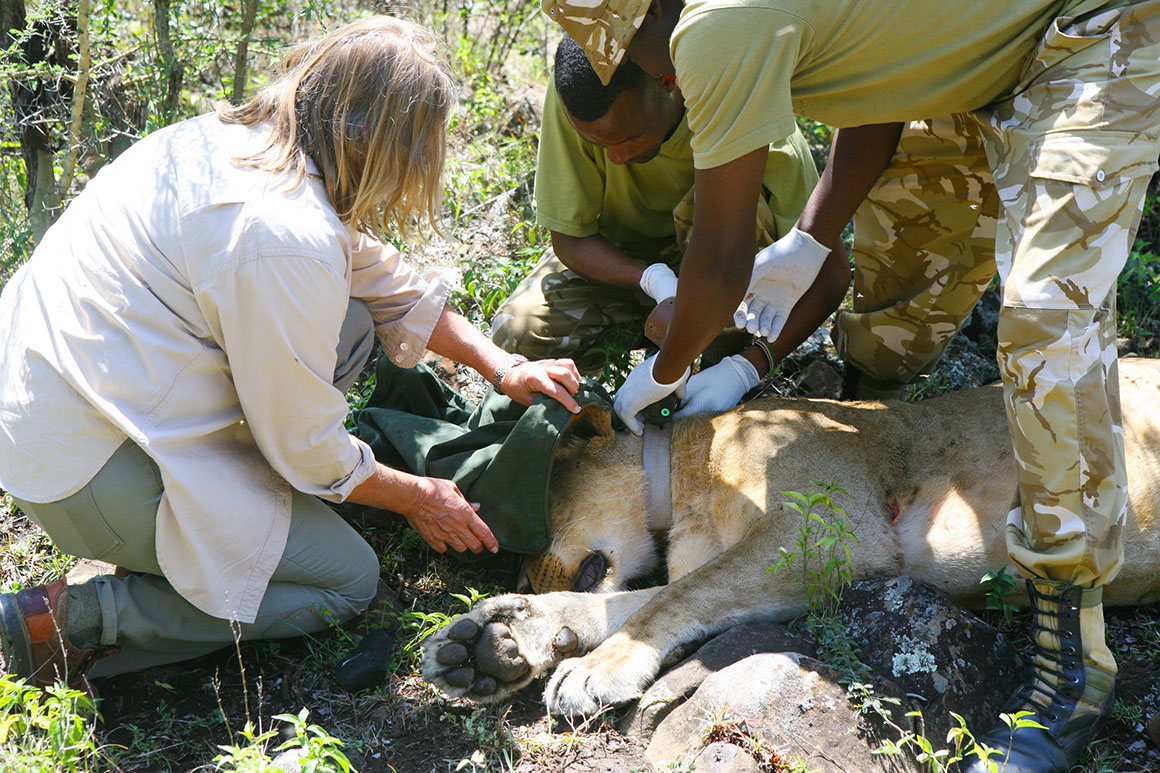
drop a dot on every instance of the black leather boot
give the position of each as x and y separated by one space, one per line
1071 686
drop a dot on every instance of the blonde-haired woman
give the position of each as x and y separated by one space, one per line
176 352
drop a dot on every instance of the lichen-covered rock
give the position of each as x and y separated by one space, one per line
791 702
682 680
933 649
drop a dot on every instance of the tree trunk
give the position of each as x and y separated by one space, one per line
241 61
34 100
174 73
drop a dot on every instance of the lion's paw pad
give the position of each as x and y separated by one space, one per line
494 650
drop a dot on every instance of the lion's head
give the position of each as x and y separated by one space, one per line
600 537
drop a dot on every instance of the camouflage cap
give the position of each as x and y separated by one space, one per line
603 28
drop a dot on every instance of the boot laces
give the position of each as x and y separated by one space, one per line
1040 693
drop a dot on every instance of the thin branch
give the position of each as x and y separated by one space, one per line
78 106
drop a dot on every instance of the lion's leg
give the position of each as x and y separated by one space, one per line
731 588
505 642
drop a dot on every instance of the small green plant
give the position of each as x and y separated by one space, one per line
417 626
46 731
963 744
496 749
1000 585
487 282
821 562
615 350
321 752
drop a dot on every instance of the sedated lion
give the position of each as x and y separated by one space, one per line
930 486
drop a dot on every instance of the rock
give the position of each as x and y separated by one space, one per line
290 761
931 647
88 568
820 379
1154 729
725 758
789 702
683 679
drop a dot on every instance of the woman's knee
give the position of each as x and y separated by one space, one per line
324 551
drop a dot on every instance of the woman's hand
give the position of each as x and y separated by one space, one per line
434 507
456 338
445 519
557 379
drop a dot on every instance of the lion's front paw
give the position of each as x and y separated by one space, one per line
496 649
615 672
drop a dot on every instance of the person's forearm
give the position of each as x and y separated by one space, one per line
598 259
387 489
711 286
456 338
858 156
717 264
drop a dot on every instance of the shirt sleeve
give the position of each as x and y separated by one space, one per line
790 177
569 175
404 306
734 67
277 317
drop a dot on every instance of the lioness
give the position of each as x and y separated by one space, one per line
930 487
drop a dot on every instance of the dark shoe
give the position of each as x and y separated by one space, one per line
1070 690
34 643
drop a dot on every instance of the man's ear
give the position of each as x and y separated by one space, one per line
655 10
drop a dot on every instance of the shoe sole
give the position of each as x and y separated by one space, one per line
14 638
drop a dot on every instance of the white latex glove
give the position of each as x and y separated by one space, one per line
720 387
640 390
659 282
782 272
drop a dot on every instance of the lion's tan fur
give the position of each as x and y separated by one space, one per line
930 487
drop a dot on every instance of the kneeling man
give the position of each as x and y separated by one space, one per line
614 185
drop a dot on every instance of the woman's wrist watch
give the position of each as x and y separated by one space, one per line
497 379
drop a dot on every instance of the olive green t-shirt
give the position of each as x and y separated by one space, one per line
579 192
747 66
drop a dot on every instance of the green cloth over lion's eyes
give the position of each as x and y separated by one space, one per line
499 453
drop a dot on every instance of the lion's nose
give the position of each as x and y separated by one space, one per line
592 570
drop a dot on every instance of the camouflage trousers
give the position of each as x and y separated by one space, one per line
555 312
924 252
1061 177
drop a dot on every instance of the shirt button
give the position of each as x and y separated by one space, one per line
398 358
403 346
1100 175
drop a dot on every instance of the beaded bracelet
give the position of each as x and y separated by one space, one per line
764 347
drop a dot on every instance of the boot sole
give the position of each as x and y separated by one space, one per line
14 638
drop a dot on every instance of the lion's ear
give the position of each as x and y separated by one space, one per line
591 428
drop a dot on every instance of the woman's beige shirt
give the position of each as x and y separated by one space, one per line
193 306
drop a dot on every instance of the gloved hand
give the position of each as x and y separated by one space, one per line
659 282
720 387
782 272
640 390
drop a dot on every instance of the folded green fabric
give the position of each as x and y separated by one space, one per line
499 453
